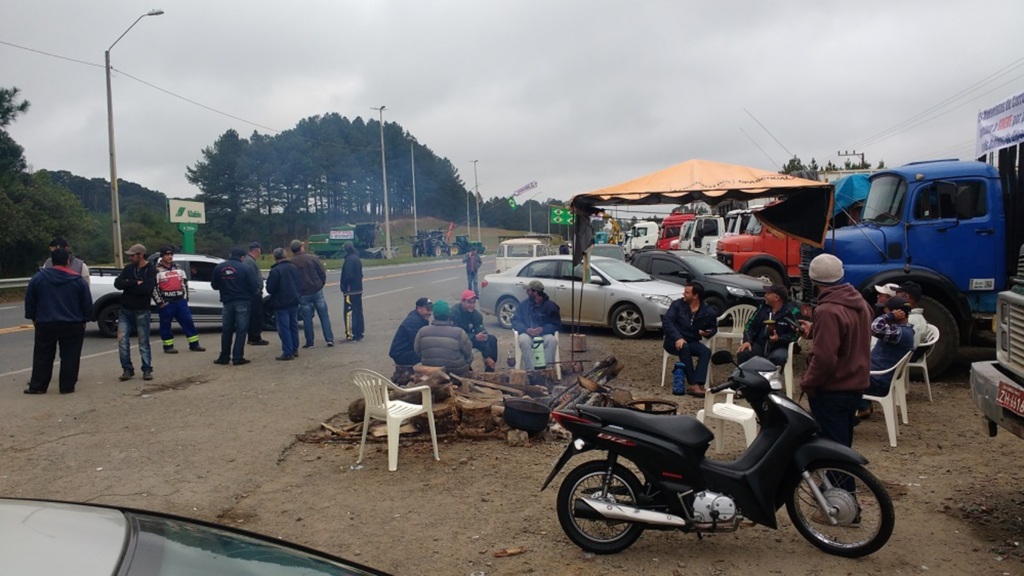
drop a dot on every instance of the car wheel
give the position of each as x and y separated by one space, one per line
107 320
716 303
627 322
505 310
767 275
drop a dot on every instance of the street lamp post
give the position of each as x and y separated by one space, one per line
476 188
384 176
412 156
115 208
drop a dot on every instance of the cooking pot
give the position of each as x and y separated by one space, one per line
526 414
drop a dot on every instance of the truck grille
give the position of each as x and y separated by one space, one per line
807 253
1015 335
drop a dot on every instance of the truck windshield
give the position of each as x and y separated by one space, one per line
885 200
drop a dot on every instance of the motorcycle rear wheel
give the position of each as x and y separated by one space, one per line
863 509
599 536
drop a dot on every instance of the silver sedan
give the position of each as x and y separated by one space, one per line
614 294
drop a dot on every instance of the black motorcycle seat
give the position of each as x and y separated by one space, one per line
682 429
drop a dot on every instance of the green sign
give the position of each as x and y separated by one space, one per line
561 215
188 227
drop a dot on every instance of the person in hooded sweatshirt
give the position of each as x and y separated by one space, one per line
839 365
59 303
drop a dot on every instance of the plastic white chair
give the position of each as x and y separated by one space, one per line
378 405
787 370
927 345
896 399
714 414
738 316
519 353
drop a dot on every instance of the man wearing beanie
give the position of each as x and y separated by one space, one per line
839 365
444 344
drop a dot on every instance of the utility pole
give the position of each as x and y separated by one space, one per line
412 156
476 186
854 153
384 176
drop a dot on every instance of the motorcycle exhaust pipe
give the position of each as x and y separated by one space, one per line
594 509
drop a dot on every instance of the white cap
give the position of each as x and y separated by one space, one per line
887 289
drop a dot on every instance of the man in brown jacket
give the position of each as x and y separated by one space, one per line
839 365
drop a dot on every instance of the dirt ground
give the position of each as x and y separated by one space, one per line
221 444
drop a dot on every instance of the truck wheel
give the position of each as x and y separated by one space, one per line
949 335
106 319
767 275
455 250
437 251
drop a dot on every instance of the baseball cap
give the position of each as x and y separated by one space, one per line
166 250
469 295
59 242
424 303
253 245
237 252
898 302
887 289
535 285
136 249
296 245
779 291
913 289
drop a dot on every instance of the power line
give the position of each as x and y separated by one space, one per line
58 56
791 155
770 159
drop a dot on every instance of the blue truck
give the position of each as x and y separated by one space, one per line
954 227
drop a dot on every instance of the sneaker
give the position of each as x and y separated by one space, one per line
330 344
170 350
127 375
310 345
34 391
258 342
222 361
147 375
241 362
285 357
196 348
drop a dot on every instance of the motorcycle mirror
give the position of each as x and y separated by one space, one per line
721 357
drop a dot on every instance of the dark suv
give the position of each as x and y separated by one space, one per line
723 287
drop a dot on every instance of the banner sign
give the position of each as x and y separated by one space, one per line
1001 125
186 211
524 188
560 215
343 234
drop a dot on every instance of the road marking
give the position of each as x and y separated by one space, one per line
388 292
13 329
444 280
57 363
9 307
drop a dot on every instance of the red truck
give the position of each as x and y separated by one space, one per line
671 226
761 254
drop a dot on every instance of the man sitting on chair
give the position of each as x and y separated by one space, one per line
537 316
770 330
895 338
687 321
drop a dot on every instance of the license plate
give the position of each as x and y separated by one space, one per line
1011 398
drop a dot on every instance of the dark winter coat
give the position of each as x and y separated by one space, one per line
58 294
283 285
352 274
786 325
138 287
234 280
311 271
545 315
402 345
443 344
681 322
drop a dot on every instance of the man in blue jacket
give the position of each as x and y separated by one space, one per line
537 316
236 284
687 322
283 285
402 345
58 303
352 293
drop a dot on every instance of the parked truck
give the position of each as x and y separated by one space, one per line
641 235
363 236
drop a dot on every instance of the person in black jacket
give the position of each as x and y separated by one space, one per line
137 283
283 285
770 330
402 351
687 321
58 303
236 284
352 293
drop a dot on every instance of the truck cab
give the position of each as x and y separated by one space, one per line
672 227
641 235
703 235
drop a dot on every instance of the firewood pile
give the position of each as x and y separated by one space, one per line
472 406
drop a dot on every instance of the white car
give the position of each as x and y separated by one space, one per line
616 295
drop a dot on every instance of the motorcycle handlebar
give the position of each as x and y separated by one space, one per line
721 387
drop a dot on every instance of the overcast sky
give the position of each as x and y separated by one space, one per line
576 95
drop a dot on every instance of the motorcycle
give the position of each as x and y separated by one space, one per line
604 506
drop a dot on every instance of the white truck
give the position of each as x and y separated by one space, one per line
641 235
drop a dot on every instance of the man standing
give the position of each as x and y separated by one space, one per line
443 344
137 283
687 321
252 260
236 284
58 303
74 262
912 292
467 317
172 286
536 316
352 293
311 298
839 365
283 285
895 338
402 345
473 262
770 330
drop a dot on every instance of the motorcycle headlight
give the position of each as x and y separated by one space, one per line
659 299
774 378
741 292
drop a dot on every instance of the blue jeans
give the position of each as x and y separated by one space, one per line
138 320
234 323
288 329
835 413
472 282
309 303
694 375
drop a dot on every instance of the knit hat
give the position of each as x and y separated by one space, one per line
826 269
441 310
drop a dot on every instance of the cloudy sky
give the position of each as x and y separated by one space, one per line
575 94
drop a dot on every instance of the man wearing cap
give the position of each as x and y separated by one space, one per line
687 322
75 263
172 284
772 327
884 291
236 284
443 344
311 291
403 350
467 317
912 292
839 363
283 285
537 316
137 283
473 261
895 338
352 293
252 260
59 304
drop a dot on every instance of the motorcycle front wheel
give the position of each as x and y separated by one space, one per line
860 517
588 480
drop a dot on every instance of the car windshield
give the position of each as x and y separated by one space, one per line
706 264
885 200
616 270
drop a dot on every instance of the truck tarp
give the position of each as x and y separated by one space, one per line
804 212
850 190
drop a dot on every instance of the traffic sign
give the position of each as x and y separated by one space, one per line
188 227
561 215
